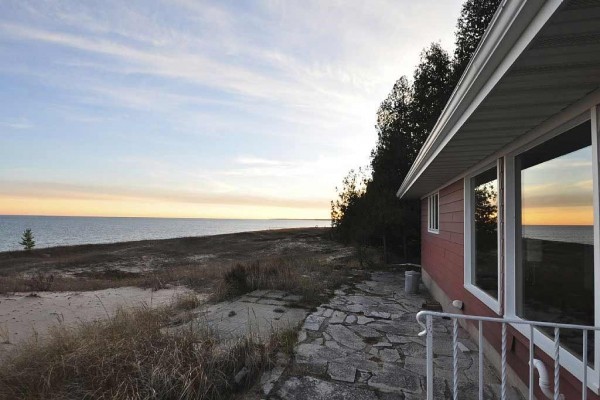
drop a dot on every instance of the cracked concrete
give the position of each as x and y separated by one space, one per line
363 344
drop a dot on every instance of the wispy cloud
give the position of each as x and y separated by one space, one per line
247 99
21 123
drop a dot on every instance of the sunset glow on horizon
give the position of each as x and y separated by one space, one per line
198 108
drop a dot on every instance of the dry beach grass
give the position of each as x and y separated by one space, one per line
131 354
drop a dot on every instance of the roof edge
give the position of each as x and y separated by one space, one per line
513 27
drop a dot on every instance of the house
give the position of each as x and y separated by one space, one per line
508 182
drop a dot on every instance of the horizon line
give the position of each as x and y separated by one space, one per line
121 216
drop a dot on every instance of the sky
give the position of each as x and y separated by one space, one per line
184 108
559 191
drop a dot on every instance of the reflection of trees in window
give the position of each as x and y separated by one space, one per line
486 232
486 212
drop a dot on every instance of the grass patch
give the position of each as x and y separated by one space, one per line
131 356
186 302
311 278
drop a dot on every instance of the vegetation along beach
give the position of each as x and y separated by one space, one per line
170 224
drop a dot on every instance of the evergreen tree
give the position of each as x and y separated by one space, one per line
404 120
474 19
27 240
431 90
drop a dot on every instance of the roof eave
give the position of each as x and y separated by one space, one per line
512 29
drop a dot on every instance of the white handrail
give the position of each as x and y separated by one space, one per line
420 314
554 394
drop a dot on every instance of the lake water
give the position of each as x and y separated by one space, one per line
561 233
67 231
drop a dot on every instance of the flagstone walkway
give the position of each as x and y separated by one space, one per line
363 344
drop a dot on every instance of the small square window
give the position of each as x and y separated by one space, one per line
433 213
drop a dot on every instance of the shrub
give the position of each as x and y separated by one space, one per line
129 356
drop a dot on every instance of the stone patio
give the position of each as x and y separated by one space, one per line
363 344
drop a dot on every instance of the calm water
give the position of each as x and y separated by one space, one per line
65 231
561 233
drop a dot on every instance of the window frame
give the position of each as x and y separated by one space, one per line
469 249
433 210
511 208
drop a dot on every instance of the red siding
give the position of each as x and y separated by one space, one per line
442 256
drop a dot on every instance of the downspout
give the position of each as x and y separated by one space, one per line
544 381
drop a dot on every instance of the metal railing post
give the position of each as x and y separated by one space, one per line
531 354
585 365
556 363
455 358
480 360
503 366
429 345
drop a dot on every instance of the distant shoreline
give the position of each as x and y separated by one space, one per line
85 247
68 231
144 217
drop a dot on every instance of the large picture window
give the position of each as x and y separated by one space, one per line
554 234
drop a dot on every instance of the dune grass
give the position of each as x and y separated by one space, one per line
132 356
311 278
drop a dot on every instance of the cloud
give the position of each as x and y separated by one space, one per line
235 101
71 191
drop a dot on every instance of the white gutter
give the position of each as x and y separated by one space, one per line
514 26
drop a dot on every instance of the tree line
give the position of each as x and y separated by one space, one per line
367 211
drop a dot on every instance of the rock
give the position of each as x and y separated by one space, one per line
313 323
337 318
383 344
268 379
239 377
389 355
395 379
378 314
315 357
307 387
363 376
365 331
351 319
462 347
399 339
302 336
327 312
362 320
345 337
341 372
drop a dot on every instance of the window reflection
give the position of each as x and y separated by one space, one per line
555 280
485 219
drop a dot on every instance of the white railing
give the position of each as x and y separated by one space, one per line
554 394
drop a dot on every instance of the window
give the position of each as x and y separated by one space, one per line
482 256
484 240
554 235
433 213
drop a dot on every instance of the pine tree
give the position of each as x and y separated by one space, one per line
27 240
475 16
404 120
